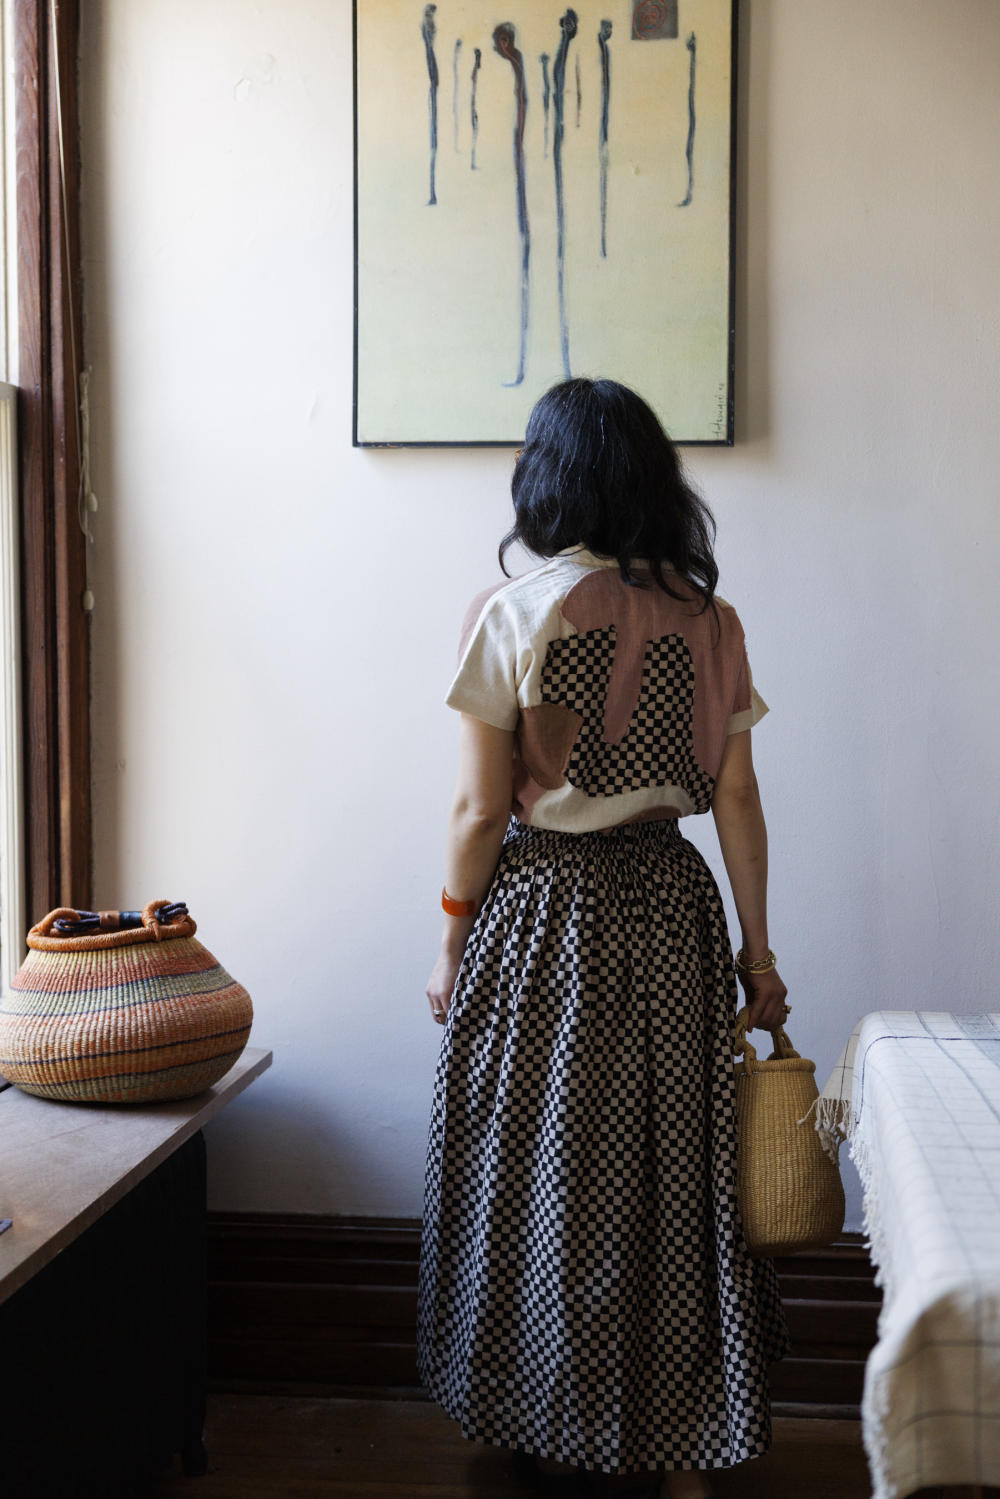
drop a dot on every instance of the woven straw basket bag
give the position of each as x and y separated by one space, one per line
790 1193
124 1013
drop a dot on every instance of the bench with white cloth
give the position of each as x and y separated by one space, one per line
917 1096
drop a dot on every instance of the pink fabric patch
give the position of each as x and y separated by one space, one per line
473 612
546 735
638 615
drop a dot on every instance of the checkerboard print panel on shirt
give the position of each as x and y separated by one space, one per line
586 1293
658 746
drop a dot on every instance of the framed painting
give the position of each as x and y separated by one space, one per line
541 192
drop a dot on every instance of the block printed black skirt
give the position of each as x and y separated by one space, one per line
586 1292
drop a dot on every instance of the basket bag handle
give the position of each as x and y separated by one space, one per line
71 923
66 929
742 1045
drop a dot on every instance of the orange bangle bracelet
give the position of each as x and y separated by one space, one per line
458 907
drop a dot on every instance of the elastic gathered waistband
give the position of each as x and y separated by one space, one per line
660 831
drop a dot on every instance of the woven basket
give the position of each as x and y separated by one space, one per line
128 1016
790 1193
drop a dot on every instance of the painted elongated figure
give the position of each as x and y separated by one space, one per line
692 47
603 37
569 24
428 31
454 90
505 43
473 107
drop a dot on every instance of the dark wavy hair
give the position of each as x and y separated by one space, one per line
598 469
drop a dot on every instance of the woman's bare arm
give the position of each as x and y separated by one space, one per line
739 821
479 815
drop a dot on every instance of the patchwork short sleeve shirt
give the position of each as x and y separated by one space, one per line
620 698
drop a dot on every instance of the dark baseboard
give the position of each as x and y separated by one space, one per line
327 1306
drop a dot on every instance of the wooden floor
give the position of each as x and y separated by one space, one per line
273 1447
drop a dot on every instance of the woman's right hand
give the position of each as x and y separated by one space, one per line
441 984
765 994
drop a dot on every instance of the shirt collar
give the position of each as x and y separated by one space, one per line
579 553
585 558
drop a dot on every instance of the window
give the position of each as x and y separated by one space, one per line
42 546
12 910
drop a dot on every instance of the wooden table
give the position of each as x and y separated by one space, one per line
64 1164
102 1288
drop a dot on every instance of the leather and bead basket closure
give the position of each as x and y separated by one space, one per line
121 1007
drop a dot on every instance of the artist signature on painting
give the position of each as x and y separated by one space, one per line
720 409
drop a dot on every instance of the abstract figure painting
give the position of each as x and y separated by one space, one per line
541 191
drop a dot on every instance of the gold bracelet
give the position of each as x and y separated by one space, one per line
758 965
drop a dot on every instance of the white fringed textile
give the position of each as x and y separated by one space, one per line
916 1094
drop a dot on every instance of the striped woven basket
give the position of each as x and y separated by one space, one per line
790 1193
121 1016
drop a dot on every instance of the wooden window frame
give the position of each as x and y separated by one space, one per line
55 623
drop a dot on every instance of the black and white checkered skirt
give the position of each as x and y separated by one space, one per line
586 1292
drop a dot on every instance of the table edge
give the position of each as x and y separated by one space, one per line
251 1064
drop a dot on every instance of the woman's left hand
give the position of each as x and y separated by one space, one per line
440 986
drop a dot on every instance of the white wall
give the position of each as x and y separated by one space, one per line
277 613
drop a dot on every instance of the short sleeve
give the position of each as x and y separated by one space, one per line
748 705
484 684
